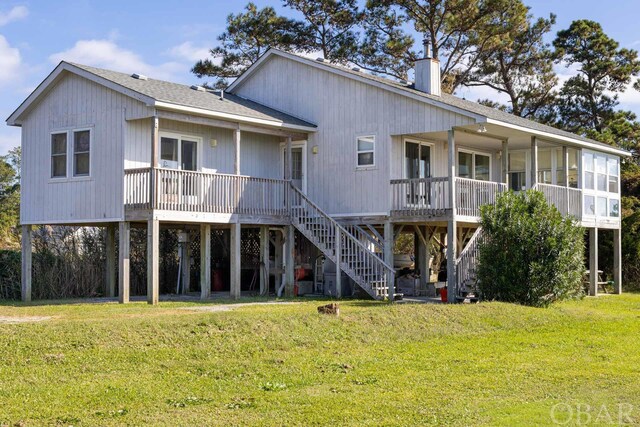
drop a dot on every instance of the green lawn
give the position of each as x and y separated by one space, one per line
377 364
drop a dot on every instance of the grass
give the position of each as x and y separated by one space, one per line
377 364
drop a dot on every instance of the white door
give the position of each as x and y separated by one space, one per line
298 164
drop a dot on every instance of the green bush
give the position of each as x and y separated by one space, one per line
531 254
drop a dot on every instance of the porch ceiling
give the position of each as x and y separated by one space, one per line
468 136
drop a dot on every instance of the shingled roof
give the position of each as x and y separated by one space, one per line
184 96
479 111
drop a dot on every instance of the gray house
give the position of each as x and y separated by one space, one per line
315 156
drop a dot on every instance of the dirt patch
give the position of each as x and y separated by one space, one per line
23 319
229 307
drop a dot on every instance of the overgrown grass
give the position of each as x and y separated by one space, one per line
485 364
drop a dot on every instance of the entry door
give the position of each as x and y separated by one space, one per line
417 158
298 165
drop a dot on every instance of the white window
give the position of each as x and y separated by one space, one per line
179 152
59 155
366 146
474 165
81 152
601 184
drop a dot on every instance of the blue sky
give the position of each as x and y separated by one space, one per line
164 39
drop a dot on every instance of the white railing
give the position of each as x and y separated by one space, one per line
188 191
421 197
354 258
567 200
366 238
472 193
467 264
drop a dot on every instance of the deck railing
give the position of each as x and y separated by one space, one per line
188 191
420 197
472 193
566 199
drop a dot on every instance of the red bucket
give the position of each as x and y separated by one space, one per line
443 294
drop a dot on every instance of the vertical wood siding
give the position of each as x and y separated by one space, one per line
343 109
75 102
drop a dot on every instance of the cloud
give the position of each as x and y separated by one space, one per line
189 52
15 14
106 53
11 60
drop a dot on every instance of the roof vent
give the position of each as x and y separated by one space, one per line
139 76
356 69
221 94
403 82
320 59
198 88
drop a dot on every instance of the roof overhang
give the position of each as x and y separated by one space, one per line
552 137
162 105
15 118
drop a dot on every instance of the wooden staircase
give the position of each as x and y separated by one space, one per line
345 249
466 268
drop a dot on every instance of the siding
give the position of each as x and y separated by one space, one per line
343 109
259 154
75 102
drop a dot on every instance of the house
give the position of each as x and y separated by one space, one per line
311 154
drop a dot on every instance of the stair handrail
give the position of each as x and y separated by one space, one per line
390 270
469 253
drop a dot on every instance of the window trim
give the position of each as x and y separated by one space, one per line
473 162
72 132
421 143
373 136
66 154
595 193
180 136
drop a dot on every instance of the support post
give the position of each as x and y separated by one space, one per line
236 141
534 161
264 260
389 244
505 161
186 265
123 262
205 261
422 255
235 286
288 171
26 262
451 224
279 257
617 261
338 262
593 261
155 160
289 263
111 261
153 263
565 165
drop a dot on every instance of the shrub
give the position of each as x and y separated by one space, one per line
531 254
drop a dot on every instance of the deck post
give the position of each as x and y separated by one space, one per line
278 256
235 286
451 224
124 240
505 161
617 261
185 274
27 251
289 261
264 260
236 159
422 253
205 261
155 140
111 260
534 161
288 170
338 261
153 261
593 261
388 254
